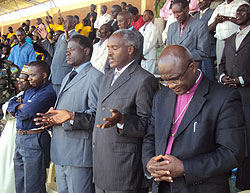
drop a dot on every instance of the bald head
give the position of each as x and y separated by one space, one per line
177 68
124 20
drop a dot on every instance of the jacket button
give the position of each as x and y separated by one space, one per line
103 108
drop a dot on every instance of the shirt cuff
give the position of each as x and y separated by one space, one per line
120 126
221 76
72 121
241 81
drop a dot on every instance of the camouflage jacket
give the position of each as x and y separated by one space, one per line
8 75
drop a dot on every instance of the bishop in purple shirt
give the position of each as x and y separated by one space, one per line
197 130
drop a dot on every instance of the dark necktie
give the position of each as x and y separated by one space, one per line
71 76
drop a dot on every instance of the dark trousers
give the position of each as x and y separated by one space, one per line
29 162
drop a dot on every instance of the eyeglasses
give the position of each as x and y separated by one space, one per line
176 80
21 80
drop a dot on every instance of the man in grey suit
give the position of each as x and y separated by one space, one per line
71 145
59 66
189 32
123 109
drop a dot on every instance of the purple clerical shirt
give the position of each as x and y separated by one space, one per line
181 102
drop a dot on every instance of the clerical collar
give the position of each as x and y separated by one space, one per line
196 83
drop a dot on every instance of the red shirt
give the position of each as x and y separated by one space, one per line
137 25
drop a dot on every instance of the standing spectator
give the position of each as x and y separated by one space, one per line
59 66
93 14
204 15
27 22
189 32
103 18
79 25
5 52
137 20
32 143
40 24
115 10
123 6
235 72
222 22
100 49
85 28
11 33
150 35
23 53
125 22
196 133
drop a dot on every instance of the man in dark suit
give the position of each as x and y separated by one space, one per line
123 110
196 134
204 15
189 32
71 145
115 10
235 72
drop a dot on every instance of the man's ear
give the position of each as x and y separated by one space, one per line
131 50
187 9
86 51
45 75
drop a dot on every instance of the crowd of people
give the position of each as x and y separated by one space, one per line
84 94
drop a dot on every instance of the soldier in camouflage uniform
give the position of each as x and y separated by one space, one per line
8 74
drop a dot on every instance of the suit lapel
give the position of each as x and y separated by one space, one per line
195 106
75 80
244 42
167 107
121 80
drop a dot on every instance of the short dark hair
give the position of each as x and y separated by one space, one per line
93 5
39 19
77 17
28 20
184 3
20 29
150 12
84 42
10 28
124 3
42 65
105 7
117 7
133 10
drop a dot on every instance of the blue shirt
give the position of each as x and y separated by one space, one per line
21 55
37 100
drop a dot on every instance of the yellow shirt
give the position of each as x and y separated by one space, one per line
58 27
78 26
52 26
85 31
10 35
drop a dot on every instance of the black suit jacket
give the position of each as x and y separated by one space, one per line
236 63
209 140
